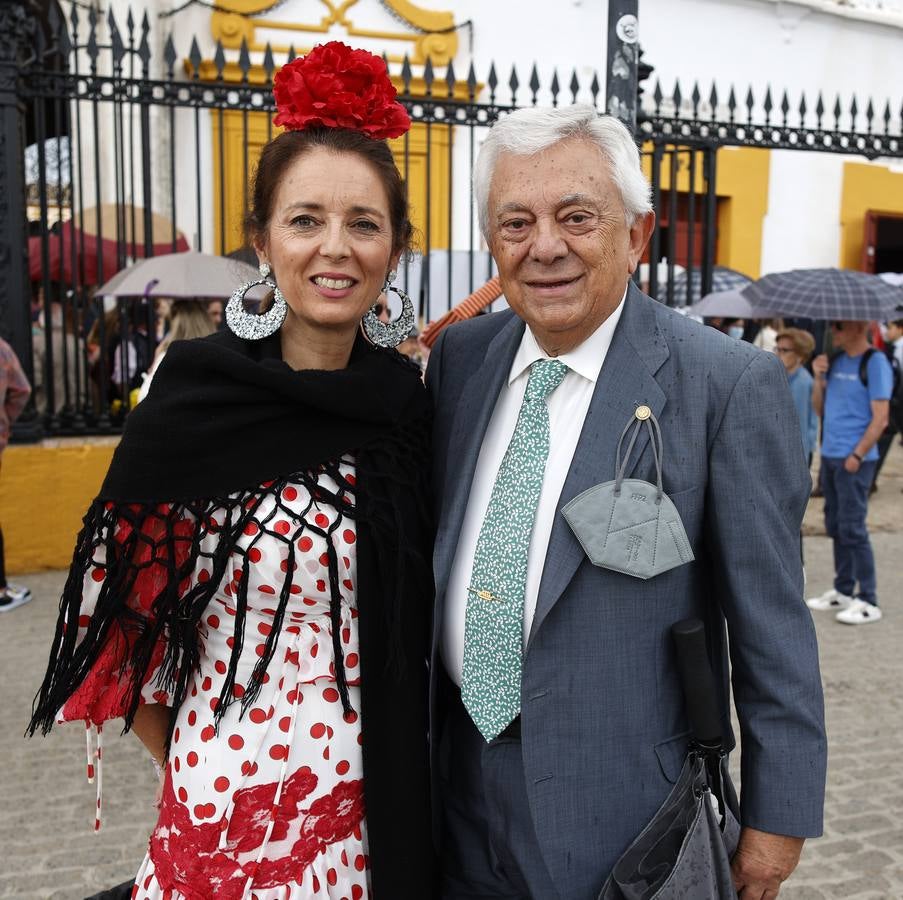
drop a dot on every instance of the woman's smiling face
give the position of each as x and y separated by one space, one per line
329 240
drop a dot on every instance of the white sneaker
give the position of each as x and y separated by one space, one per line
14 595
859 613
830 600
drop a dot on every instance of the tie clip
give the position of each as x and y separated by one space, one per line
485 595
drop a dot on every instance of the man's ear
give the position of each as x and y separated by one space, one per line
640 232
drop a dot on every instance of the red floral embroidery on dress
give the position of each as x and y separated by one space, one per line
187 856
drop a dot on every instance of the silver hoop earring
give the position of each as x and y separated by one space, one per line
249 326
389 334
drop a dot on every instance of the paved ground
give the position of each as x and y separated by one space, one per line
47 848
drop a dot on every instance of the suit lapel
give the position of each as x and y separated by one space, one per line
626 381
472 414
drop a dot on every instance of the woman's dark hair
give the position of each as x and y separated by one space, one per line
283 150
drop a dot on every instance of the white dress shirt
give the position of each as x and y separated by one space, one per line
568 405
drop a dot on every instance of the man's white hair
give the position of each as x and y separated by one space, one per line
531 130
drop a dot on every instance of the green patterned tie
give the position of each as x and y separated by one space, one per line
494 621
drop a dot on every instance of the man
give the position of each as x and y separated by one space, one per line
852 395
558 722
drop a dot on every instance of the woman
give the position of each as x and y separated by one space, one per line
794 347
253 582
188 319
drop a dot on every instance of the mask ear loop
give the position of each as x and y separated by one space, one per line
655 436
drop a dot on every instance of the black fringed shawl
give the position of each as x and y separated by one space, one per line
228 422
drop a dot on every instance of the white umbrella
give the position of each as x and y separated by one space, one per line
180 276
729 304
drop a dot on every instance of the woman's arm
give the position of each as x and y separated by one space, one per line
150 725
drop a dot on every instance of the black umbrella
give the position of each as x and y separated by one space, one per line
832 294
686 849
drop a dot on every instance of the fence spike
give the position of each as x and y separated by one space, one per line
819 110
291 53
785 108
428 76
170 56
116 46
713 101
555 87
854 112
406 74
658 96
130 22
677 97
534 83
731 105
695 97
450 79
837 112
594 88
869 116
65 45
750 103
514 84
244 59
492 81
767 105
194 55
803 109
144 53
219 60
886 117
269 63
73 21
471 82
574 86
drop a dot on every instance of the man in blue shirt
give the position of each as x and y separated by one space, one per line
853 401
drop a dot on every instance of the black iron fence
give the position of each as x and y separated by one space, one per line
134 151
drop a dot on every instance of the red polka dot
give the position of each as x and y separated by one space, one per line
183 795
208 732
230 610
238 691
257 715
84 621
278 751
207 683
350 717
305 544
192 759
317 731
264 628
177 764
98 574
342 767
203 575
346 635
331 876
282 527
321 520
285 723
295 589
254 555
349 584
236 741
321 585
324 559
308 601
349 536
221 784
175 736
230 642
314 650
214 703
261 649
192 718
359 862
220 667
351 660
344 858
326 753
266 589
357 892
290 494
251 529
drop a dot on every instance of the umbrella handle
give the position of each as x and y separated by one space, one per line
698 683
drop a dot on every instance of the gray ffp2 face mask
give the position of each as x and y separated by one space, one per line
629 525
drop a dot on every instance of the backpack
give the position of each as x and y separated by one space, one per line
895 419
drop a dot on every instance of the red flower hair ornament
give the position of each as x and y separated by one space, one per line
338 87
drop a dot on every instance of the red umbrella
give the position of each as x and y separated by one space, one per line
100 260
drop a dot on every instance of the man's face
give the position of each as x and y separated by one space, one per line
894 331
558 232
846 334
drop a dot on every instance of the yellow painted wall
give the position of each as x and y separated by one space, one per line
44 492
865 187
741 184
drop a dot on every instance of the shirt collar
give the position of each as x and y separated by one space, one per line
586 359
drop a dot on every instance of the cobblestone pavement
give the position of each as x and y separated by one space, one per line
47 808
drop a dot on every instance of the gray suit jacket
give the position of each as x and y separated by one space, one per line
603 725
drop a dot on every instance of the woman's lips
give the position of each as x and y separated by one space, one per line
334 287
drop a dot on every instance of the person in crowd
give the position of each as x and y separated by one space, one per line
215 311
558 723
795 347
67 359
14 393
188 320
253 581
767 335
895 340
733 328
851 393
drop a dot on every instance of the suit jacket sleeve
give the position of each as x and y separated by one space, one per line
757 493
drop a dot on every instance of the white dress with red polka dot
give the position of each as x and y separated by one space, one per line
271 804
